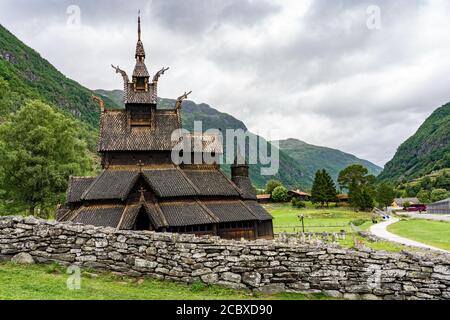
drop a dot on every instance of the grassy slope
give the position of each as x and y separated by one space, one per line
426 151
285 215
313 158
48 282
434 233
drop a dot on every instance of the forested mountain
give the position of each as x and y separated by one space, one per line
426 151
312 158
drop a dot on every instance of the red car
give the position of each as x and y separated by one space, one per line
416 208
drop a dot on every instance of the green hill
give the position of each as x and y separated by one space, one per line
426 151
312 158
31 76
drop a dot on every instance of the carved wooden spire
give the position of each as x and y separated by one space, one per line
139 25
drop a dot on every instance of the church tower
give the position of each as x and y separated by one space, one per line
141 188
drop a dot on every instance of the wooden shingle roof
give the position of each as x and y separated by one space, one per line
211 183
111 185
117 135
107 216
228 211
77 186
186 213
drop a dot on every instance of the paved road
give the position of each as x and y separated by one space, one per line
426 216
380 230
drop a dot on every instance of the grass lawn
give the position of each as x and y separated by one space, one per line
332 219
48 282
434 233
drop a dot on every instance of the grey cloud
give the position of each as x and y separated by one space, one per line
200 16
323 77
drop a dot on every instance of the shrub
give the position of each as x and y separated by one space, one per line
280 194
272 185
439 194
358 222
298 203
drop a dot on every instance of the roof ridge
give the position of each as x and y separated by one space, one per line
209 212
83 196
232 183
249 209
197 190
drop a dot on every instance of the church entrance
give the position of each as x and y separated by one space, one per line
143 221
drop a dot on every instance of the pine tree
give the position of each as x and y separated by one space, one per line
324 189
318 189
330 188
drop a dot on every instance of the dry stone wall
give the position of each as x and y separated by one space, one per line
262 266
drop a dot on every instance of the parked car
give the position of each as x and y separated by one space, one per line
416 208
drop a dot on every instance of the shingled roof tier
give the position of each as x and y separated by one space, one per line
99 216
77 186
111 185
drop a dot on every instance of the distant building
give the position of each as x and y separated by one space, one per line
299 194
400 202
263 198
343 198
440 207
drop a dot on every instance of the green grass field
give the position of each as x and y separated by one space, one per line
332 219
434 233
48 282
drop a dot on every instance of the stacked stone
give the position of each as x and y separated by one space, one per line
262 266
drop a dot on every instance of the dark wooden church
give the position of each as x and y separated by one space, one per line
140 188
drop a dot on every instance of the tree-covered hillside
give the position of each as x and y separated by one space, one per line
426 151
312 158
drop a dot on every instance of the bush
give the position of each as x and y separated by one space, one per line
280 194
298 203
358 222
439 194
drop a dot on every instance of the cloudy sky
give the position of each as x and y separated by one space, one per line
355 75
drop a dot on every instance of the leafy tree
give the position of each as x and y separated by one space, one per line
442 182
361 197
280 194
271 185
354 174
324 189
39 149
426 183
439 194
424 196
385 195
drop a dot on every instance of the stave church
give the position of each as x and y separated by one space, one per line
141 188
